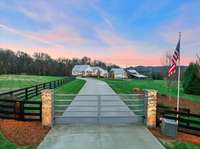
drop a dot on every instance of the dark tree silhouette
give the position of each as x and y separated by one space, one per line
42 64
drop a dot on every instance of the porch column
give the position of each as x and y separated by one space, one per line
150 107
47 107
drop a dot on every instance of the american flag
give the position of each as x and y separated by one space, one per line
175 58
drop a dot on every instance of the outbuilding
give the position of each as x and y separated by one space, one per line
118 73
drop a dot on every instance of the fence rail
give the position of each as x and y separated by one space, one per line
15 104
21 110
188 122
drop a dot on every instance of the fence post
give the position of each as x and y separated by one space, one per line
49 85
19 110
54 84
26 93
36 90
40 111
47 107
150 107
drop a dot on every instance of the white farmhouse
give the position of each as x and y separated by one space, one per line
82 70
118 73
87 71
98 71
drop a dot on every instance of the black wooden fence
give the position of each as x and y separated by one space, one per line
21 110
15 104
29 92
188 122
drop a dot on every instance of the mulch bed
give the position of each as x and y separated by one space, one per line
171 102
23 133
180 136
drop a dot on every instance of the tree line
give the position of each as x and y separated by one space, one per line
191 81
42 64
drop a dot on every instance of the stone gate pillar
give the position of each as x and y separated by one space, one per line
47 107
150 107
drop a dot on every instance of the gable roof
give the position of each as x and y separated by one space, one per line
118 70
134 73
81 68
100 69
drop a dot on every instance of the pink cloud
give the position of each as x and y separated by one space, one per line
29 48
54 37
119 49
189 40
127 52
41 11
123 57
65 35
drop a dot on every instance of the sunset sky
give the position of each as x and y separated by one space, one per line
123 32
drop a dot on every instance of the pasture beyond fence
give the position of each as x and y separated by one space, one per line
29 92
16 105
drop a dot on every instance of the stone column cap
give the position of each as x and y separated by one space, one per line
47 90
150 90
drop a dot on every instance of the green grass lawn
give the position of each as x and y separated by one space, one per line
6 144
12 82
180 145
126 86
73 87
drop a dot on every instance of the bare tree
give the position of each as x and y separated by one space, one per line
167 61
198 59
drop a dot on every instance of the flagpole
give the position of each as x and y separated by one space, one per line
179 76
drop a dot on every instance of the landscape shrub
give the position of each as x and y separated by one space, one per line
191 80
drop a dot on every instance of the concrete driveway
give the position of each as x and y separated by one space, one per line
88 97
99 136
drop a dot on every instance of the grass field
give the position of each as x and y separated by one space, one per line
11 82
126 86
6 144
180 145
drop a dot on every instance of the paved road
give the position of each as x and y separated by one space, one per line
99 136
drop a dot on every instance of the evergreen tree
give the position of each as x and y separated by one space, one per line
191 81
